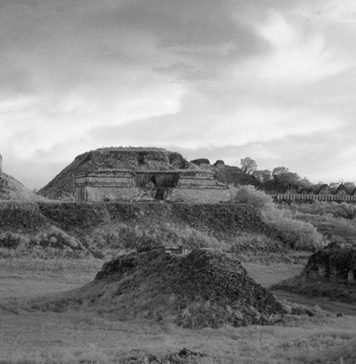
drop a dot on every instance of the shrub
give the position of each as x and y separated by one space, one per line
249 195
294 233
12 240
298 234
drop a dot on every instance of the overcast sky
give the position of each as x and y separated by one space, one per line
224 79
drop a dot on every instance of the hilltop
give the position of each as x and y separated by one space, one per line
136 159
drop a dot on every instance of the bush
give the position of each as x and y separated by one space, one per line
12 240
47 244
249 195
294 233
298 234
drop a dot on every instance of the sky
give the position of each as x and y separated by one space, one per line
223 79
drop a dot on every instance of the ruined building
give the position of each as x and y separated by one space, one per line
182 185
333 263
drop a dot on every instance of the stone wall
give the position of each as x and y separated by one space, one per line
198 186
106 185
334 263
0 163
174 186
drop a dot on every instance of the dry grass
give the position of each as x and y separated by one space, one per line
86 337
73 337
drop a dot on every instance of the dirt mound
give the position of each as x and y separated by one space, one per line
205 288
330 272
136 159
12 189
334 263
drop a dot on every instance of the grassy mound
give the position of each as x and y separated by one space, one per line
205 288
330 272
12 189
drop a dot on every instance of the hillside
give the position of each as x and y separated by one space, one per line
12 189
136 159
106 228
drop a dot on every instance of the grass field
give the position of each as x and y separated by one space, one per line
87 337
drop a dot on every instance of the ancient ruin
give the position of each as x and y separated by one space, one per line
183 185
106 185
199 186
334 263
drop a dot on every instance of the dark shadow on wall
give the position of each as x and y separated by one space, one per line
161 181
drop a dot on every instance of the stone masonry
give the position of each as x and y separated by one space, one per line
172 185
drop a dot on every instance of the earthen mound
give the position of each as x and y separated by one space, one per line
205 288
330 272
334 263
13 190
135 159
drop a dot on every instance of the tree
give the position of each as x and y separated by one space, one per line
248 165
279 171
350 186
285 177
305 182
263 176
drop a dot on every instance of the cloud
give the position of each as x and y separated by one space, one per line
208 76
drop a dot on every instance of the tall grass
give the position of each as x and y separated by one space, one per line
296 234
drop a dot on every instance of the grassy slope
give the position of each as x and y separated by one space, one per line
126 225
12 189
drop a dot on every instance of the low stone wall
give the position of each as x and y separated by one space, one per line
107 193
106 185
314 197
